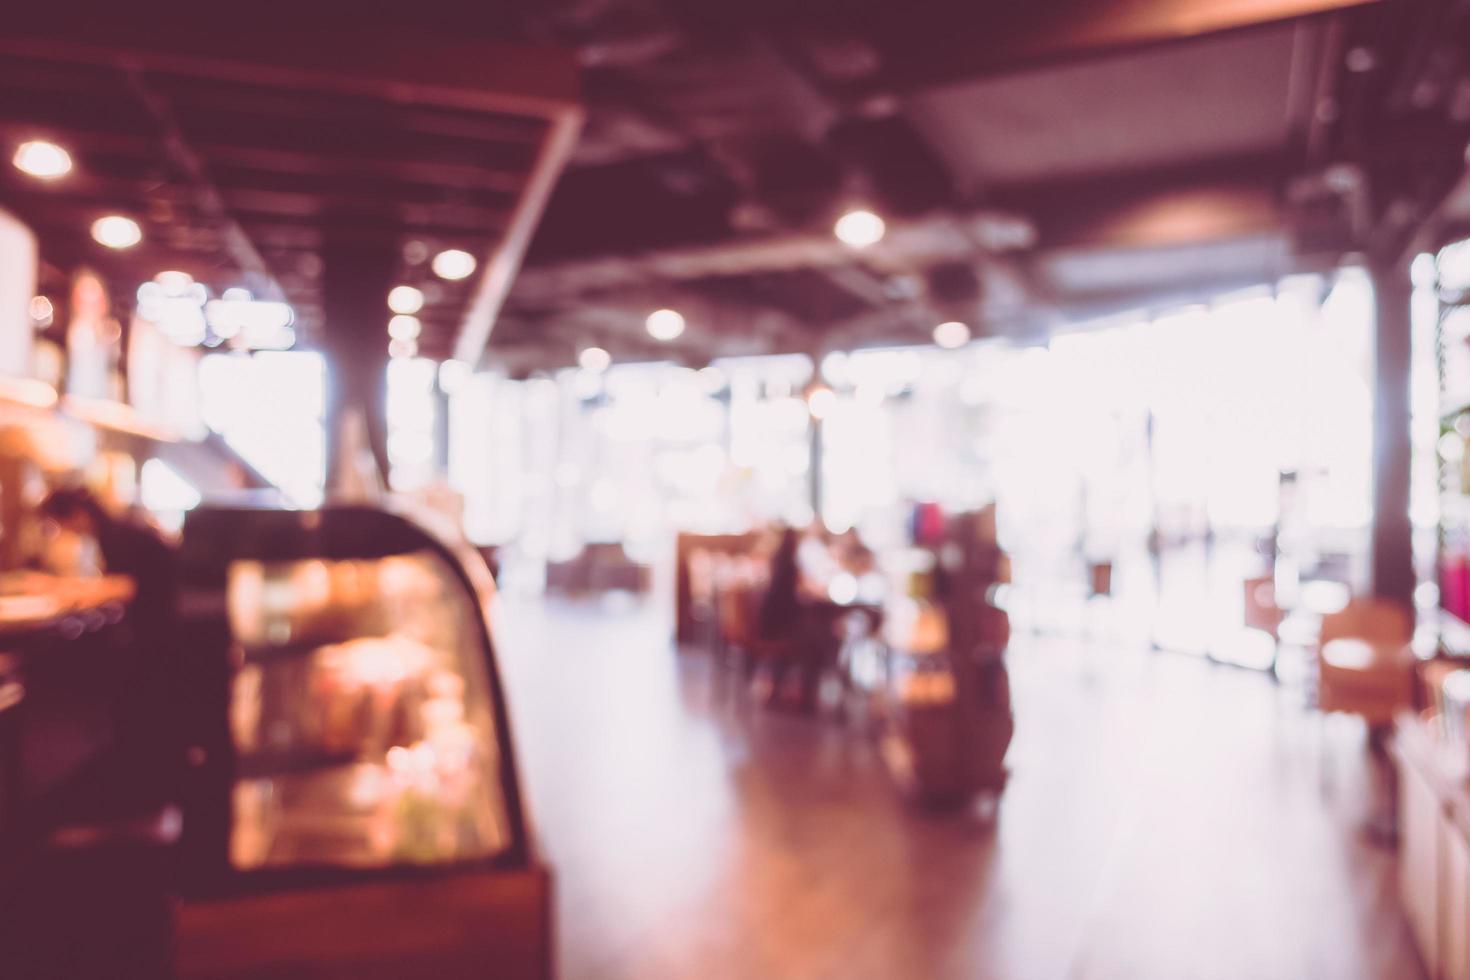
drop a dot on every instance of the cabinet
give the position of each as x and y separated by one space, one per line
1434 854
1454 939
1419 828
352 808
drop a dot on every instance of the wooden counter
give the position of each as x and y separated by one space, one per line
1434 856
31 601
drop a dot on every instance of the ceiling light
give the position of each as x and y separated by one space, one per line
259 324
42 311
42 159
859 229
405 299
115 231
398 347
404 327
594 359
454 264
951 334
664 324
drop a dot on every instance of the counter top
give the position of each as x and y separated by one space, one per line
32 601
1417 743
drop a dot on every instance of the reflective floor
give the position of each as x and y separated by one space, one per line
1166 818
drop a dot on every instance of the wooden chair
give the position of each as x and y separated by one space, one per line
741 647
1364 665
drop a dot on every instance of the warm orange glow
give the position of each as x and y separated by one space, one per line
820 402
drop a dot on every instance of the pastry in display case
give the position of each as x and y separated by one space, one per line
347 734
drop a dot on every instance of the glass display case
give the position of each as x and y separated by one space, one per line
347 734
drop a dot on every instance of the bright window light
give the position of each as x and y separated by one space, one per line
269 407
594 359
163 490
951 334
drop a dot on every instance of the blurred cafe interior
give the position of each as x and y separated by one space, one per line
613 488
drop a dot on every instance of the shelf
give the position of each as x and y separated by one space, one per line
302 646
267 765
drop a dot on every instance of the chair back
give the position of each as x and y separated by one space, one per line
1375 621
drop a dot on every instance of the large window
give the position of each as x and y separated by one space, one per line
268 406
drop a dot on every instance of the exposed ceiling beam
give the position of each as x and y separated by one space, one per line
500 266
966 41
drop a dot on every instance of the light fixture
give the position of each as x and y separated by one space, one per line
405 299
594 359
42 159
453 264
665 324
255 324
236 294
404 327
175 283
42 311
398 347
452 374
951 334
859 229
115 231
820 401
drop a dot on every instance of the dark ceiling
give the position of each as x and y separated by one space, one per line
1035 162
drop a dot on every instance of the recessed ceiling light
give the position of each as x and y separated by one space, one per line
951 334
115 231
454 264
42 311
665 324
594 359
404 327
405 299
859 229
42 159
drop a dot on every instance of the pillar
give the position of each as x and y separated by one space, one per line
358 272
1392 534
814 465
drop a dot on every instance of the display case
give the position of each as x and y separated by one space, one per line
352 806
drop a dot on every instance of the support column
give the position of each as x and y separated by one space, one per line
814 466
1392 534
441 430
357 275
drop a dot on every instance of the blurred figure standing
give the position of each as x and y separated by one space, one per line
132 548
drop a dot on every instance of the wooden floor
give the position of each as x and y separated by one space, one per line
1165 819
